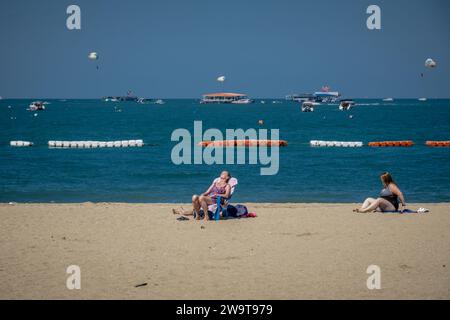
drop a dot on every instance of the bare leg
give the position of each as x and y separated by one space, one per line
196 204
365 204
385 205
204 202
381 203
183 212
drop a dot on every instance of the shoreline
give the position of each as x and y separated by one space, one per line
413 204
290 251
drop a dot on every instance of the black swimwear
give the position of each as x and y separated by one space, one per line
387 194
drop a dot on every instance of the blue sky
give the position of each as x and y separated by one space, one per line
177 48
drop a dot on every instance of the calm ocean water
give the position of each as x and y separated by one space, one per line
306 174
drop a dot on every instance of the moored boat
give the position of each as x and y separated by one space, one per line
346 105
226 97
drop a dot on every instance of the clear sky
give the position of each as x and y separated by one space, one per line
265 48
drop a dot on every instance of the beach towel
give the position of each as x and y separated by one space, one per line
408 211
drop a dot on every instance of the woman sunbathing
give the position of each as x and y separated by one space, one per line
388 200
219 188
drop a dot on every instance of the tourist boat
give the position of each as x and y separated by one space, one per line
300 97
110 99
234 98
346 105
308 106
36 106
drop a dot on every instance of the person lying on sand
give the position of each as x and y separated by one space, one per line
388 200
221 188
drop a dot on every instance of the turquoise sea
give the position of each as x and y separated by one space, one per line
147 174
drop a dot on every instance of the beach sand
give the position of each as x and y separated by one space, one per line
290 251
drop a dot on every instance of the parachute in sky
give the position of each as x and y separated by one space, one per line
221 79
93 56
430 63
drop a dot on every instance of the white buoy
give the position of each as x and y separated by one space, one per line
20 143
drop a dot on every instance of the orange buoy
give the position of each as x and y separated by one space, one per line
438 143
244 143
391 144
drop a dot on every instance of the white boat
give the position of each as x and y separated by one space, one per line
388 99
422 99
36 106
242 101
159 101
308 106
346 105
235 98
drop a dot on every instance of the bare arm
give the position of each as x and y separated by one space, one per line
395 190
209 190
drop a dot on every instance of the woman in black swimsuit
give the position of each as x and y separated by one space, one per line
389 200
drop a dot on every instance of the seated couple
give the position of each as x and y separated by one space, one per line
389 200
222 187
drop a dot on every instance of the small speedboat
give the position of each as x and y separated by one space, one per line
242 101
159 101
346 105
308 106
388 99
36 106
422 99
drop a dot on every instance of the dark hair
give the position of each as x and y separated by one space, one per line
229 175
387 179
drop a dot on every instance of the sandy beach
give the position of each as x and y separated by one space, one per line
290 251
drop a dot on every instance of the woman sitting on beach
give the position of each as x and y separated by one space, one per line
220 188
388 200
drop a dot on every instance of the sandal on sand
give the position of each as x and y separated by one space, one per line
182 218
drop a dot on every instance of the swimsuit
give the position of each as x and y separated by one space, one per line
217 190
387 194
